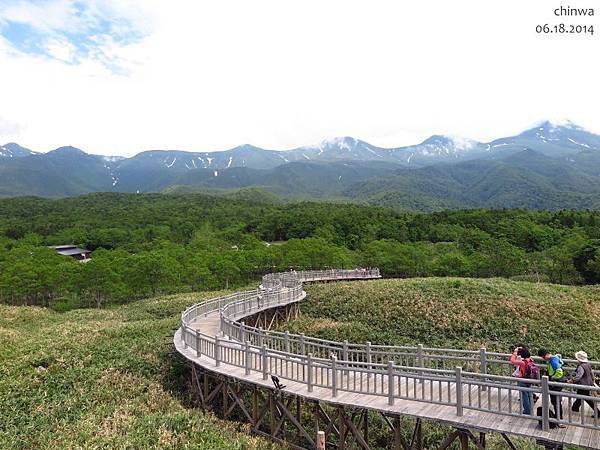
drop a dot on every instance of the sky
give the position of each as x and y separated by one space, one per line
122 76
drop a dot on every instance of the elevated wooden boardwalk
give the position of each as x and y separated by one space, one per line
463 389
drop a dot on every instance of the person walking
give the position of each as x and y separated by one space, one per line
584 375
526 369
554 366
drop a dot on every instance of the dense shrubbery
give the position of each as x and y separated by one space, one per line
455 313
153 244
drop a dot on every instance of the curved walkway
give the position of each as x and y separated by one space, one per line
461 388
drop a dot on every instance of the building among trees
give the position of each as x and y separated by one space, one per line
78 253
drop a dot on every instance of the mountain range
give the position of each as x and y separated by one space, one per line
547 167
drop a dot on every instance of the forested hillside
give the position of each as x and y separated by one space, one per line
154 244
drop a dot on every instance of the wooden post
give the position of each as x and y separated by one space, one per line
546 403
390 374
242 332
398 444
183 335
287 341
419 434
368 352
217 352
309 373
302 344
464 440
459 396
343 428
345 356
366 424
247 355
483 365
254 406
265 362
273 415
198 345
333 376
224 391
205 387
420 359
320 440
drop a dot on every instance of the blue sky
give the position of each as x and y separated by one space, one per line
75 32
123 76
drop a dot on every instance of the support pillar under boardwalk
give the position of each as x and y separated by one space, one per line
270 319
307 424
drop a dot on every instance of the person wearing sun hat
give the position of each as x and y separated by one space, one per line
584 376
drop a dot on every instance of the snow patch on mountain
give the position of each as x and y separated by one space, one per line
113 159
338 143
579 143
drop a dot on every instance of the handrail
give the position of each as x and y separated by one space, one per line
344 366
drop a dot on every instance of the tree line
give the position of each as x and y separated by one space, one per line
151 244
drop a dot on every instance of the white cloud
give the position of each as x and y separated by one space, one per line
8 128
45 16
212 75
61 49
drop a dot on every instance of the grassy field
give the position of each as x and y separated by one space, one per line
105 379
455 312
102 379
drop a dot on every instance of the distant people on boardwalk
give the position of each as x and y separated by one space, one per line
556 374
524 368
584 375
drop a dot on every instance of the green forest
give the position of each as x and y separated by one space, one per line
154 244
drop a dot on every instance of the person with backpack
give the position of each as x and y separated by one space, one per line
525 368
554 367
584 375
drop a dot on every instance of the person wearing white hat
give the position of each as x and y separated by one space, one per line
584 376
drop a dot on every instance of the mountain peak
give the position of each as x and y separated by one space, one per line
14 150
246 147
67 151
552 126
456 143
437 139
337 143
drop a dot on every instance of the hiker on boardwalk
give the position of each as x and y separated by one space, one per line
584 375
526 369
554 366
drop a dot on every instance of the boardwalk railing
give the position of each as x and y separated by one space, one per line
465 379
